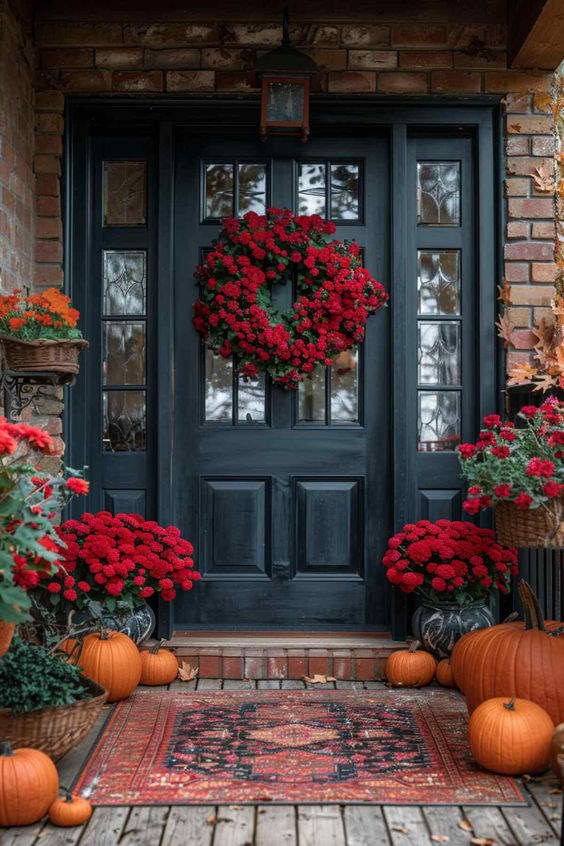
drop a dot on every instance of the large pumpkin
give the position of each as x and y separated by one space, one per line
514 660
6 634
510 736
70 810
112 660
158 666
29 783
410 667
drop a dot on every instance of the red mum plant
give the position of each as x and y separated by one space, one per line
449 560
523 464
118 561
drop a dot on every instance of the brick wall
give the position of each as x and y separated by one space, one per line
16 146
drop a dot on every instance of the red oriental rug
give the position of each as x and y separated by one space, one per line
221 747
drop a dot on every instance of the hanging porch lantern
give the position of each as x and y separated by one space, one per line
285 75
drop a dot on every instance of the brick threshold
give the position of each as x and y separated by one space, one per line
230 655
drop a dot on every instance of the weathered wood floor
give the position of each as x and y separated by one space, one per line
300 825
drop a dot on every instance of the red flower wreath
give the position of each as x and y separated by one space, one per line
235 314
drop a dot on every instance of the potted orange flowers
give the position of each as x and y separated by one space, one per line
39 332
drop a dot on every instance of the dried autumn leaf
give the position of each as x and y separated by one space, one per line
505 328
504 293
465 825
542 101
543 179
400 828
186 672
211 820
482 841
440 838
515 127
319 679
521 374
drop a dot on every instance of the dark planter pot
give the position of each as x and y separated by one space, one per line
439 625
139 626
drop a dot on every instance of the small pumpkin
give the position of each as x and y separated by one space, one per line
29 784
410 667
444 674
557 752
514 660
112 660
69 810
158 665
510 736
6 634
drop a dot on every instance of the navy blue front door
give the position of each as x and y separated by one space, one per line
286 494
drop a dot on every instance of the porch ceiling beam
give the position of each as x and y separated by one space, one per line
536 34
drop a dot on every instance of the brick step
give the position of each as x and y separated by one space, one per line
231 656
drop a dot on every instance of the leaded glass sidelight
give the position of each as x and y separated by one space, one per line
125 421
125 282
124 193
438 281
438 193
439 352
439 420
124 353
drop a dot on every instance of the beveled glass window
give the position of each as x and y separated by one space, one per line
124 350
330 395
230 397
438 281
439 420
234 188
330 189
438 193
124 193
439 352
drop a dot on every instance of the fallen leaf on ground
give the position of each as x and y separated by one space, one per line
556 791
186 672
319 679
440 838
482 841
465 825
211 820
234 807
401 829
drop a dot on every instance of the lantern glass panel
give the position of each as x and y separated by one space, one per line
285 102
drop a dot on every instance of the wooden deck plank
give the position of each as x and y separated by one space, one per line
320 825
276 825
365 826
71 764
144 826
105 826
529 825
235 825
188 824
550 804
20 836
489 823
406 825
444 820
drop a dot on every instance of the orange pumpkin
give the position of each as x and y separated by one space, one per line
158 666
29 784
112 660
410 667
510 736
557 752
509 660
70 810
6 635
444 673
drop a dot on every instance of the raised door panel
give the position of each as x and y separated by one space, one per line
124 502
440 505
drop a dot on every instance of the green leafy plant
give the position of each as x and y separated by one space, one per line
31 678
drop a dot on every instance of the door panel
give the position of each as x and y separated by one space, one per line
278 485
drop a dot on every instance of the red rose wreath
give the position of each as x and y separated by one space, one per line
335 294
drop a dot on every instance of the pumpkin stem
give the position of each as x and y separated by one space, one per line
415 645
158 645
6 750
534 618
509 706
103 632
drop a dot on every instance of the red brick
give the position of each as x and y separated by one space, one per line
49 122
351 82
464 59
209 667
517 229
523 339
532 295
48 251
544 229
170 34
297 666
52 144
403 83
259 34
530 124
277 668
234 80
466 35
529 251
87 82
543 272
319 35
516 145
48 274
517 187
516 271
53 425
416 59
327 59
223 58
515 81
118 57
544 146
516 103
50 101
412 35
514 357
137 81
367 35
525 165
72 57
232 667
255 668
48 227
63 33
342 668
190 80
365 668
47 184
463 81
179 57
536 207
520 317
319 666
47 164
373 59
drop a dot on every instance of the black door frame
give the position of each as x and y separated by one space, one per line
479 117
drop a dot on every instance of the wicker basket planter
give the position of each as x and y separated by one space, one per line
533 528
42 355
54 730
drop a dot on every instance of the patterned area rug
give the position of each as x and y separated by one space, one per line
220 747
